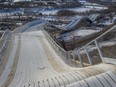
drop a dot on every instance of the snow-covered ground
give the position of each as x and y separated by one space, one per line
52 11
78 9
78 33
83 33
11 12
82 1
22 0
109 21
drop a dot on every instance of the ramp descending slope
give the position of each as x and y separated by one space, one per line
73 24
34 63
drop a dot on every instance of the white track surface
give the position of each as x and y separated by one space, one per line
40 66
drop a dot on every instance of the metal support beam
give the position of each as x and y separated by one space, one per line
88 56
65 57
69 58
74 59
80 58
100 53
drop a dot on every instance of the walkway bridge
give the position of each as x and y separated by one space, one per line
32 58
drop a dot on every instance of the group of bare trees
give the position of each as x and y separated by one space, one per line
65 13
70 4
103 2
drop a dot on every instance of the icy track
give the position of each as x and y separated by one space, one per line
32 62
